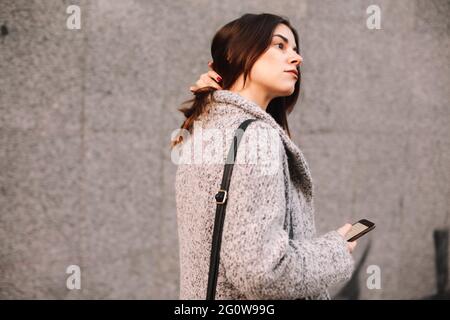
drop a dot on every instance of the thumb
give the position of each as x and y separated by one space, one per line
345 229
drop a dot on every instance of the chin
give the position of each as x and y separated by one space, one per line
283 91
287 92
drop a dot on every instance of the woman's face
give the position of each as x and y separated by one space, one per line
270 71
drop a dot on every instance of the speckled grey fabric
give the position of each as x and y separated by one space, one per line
260 257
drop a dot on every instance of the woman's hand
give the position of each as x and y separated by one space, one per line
343 231
208 79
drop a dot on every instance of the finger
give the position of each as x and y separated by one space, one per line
346 228
214 84
204 77
350 249
214 75
210 83
206 80
210 76
201 83
352 245
218 87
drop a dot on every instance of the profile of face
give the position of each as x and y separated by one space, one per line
270 73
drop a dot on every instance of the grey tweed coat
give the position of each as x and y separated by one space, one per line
269 245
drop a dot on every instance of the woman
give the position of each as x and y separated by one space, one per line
269 246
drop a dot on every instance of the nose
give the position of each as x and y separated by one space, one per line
296 59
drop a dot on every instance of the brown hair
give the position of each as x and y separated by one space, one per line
235 48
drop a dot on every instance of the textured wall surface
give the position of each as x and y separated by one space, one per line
86 117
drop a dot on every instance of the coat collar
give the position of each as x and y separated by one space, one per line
298 167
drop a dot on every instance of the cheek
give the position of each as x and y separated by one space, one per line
267 68
268 71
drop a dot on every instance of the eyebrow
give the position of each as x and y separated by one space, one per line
284 39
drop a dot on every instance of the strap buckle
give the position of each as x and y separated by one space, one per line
221 196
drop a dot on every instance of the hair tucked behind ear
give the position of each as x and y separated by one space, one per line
235 48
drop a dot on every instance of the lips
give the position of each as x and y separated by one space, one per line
294 72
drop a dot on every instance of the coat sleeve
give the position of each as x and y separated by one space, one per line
258 257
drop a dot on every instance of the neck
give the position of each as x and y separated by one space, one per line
252 93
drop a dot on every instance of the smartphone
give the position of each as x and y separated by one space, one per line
359 229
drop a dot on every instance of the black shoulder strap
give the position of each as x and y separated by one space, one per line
221 200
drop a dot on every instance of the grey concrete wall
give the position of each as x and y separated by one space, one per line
86 117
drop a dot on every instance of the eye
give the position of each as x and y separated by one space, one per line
280 44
